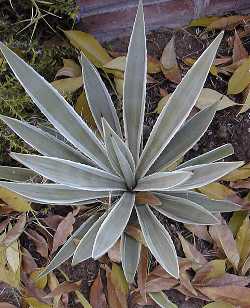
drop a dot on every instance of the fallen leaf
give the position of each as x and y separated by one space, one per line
239 296
238 174
203 21
192 253
190 61
169 64
245 267
82 299
89 46
224 240
14 233
236 221
14 201
246 104
239 51
136 233
216 191
6 305
243 241
157 284
70 69
199 231
64 288
162 300
185 282
212 269
82 108
40 243
218 305
53 283
240 78
52 221
147 198
39 282
4 224
119 86
13 256
142 272
10 277
34 303
114 253
97 296
64 229
228 280
28 262
68 85
227 23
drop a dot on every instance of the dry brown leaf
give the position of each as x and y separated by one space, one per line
147 198
142 272
246 104
115 253
239 174
239 296
216 191
169 65
199 231
212 269
52 221
6 305
70 69
236 221
13 256
14 233
239 51
14 201
82 108
224 240
136 233
68 85
4 224
192 253
97 296
228 22
240 78
64 288
186 283
157 284
64 229
28 262
228 279
40 243
190 61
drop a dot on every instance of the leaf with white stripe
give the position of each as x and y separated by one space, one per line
70 173
184 210
134 90
178 108
56 109
213 206
16 174
99 99
113 225
84 248
130 255
206 173
127 173
69 247
185 139
43 142
53 193
210 157
162 180
110 134
158 240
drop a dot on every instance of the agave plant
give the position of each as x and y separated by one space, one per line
111 164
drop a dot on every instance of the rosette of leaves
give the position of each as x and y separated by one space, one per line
115 165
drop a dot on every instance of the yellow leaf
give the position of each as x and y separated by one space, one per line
9 277
216 191
218 305
41 282
236 221
68 85
82 108
240 78
89 46
243 240
246 105
119 85
13 256
203 21
34 303
118 279
118 63
14 201
209 97
70 69
162 103
238 174
83 301
227 22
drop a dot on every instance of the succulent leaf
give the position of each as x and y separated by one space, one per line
182 100
99 99
184 210
113 225
134 91
16 174
130 255
71 174
158 240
